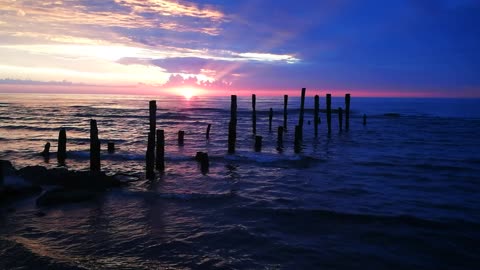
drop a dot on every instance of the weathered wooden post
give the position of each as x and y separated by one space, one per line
46 151
258 143
160 154
315 114
208 131
94 147
347 112
285 112
280 137
1 173
364 119
340 118
329 113
181 135
302 110
270 118
153 116
150 156
202 158
232 125
254 114
62 146
297 142
111 147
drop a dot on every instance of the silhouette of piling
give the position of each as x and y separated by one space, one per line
160 154
181 135
347 112
285 112
258 143
111 147
153 116
329 113
94 147
315 114
297 141
150 156
254 114
62 146
302 111
46 151
364 119
202 158
208 131
340 118
280 137
270 118
232 125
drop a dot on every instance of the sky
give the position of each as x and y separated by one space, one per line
409 48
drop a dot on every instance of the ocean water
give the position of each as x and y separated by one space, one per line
401 192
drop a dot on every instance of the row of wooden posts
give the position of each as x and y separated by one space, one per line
155 155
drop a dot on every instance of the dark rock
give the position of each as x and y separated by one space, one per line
65 195
6 168
14 192
96 181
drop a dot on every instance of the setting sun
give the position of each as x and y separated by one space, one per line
188 92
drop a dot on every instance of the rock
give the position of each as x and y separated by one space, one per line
6 168
15 192
65 195
85 180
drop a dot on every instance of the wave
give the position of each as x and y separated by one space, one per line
39 128
19 252
310 215
92 115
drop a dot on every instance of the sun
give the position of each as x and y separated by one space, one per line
188 92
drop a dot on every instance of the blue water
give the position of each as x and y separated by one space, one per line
400 192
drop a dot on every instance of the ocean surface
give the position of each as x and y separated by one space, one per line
402 192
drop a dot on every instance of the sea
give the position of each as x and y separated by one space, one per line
401 192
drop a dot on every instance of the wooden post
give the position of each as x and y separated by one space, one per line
254 114
94 147
280 137
340 118
364 119
153 116
46 151
202 158
270 118
302 109
111 147
62 146
1 174
150 156
232 125
315 114
181 135
160 155
347 112
297 142
285 112
208 131
329 113
258 143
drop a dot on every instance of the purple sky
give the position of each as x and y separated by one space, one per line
368 48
